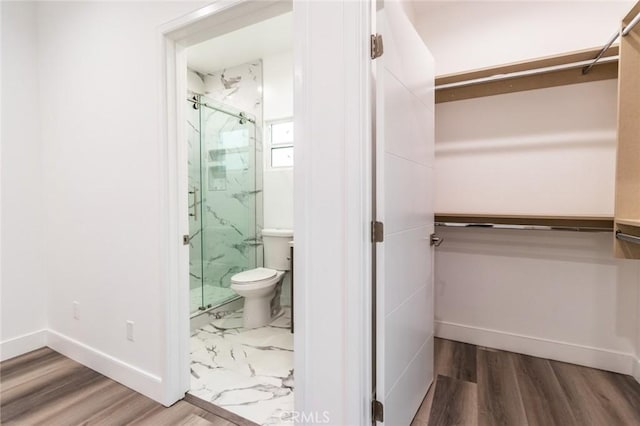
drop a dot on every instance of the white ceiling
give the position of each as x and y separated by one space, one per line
265 38
466 35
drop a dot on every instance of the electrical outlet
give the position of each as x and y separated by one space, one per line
130 330
76 310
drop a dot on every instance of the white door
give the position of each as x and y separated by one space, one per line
404 77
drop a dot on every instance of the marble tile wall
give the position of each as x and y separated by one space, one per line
232 173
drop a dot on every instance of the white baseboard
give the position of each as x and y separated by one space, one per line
603 359
22 344
133 377
636 369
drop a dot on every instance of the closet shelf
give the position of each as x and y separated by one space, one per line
539 73
628 222
578 222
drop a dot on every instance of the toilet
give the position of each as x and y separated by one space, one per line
261 287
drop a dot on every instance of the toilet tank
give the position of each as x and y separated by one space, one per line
276 248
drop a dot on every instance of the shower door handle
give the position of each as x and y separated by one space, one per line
195 203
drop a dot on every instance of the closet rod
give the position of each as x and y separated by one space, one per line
632 24
614 37
524 73
626 237
523 227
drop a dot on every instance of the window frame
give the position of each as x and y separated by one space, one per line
269 146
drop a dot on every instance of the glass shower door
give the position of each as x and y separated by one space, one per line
195 208
230 198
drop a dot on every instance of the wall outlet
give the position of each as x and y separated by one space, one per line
76 310
130 330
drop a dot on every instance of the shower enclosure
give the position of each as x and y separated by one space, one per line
225 199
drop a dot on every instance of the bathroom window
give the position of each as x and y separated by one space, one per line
280 143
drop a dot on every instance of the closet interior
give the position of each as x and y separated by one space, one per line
613 61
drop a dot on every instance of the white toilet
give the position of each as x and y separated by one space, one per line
261 287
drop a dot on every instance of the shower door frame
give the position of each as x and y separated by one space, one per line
331 206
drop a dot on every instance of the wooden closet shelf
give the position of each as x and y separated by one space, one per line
539 77
533 220
628 222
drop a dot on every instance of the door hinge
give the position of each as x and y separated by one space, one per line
377 411
377 232
377 47
185 240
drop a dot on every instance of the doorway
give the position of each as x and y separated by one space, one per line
332 180
239 139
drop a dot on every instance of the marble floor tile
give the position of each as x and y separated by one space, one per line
246 371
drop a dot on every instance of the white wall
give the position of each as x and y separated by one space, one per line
555 294
544 152
23 285
278 104
636 366
332 70
466 35
99 78
559 295
99 74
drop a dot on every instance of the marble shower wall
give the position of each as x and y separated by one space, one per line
232 172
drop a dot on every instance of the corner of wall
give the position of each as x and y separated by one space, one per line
636 370
409 10
133 377
23 306
19 345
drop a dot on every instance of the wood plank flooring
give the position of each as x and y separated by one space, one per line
46 388
487 387
456 401
473 386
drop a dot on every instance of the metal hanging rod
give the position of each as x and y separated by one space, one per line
586 69
628 238
242 116
524 73
632 24
612 40
523 227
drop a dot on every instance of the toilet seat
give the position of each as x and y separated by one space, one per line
256 278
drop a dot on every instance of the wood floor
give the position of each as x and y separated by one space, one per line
486 387
473 386
46 388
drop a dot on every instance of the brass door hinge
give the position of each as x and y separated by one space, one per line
377 232
377 47
185 240
377 411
